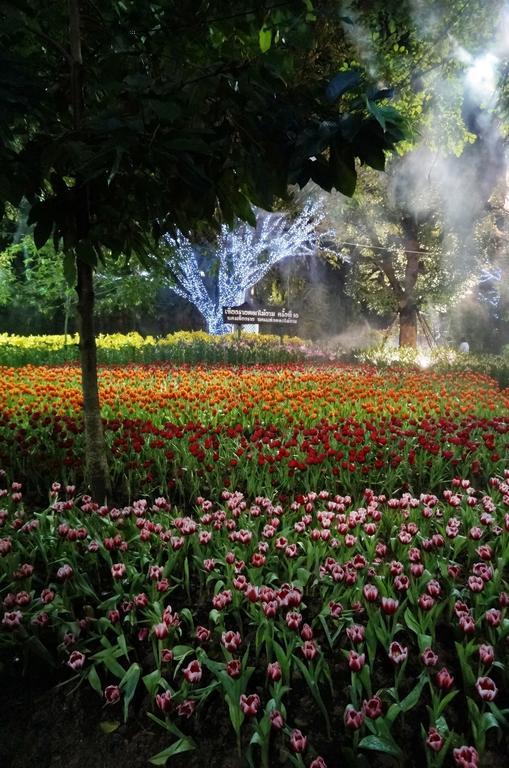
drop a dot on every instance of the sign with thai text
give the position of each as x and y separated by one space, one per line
246 315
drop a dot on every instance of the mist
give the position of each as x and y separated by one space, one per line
453 180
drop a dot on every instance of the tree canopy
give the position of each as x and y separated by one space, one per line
187 113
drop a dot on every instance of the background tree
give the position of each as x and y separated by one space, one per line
406 249
34 289
444 61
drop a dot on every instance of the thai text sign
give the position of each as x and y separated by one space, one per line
245 315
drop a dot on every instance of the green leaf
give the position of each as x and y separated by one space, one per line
151 682
180 651
303 576
412 622
182 745
69 263
93 679
413 697
342 166
341 83
265 39
489 721
109 726
43 230
446 701
377 112
499 714
392 713
123 645
85 252
129 684
377 744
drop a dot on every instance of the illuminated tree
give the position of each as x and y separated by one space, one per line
212 276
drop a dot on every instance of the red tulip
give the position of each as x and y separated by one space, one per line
493 617
231 641
318 762
163 701
234 668
356 661
202 634
193 672
370 593
353 718
426 602
444 679
429 658
397 653
187 708
306 632
161 631
486 653
389 605
298 741
466 757
76 660
434 740
274 671
250 704
309 650
372 708
356 633
486 688
467 623
112 694
276 720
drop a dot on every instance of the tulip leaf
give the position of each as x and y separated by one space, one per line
412 623
129 684
180 651
489 721
377 744
182 745
413 697
392 713
152 681
109 726
93 679
446 701
498 713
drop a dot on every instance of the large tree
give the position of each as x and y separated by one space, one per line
125 120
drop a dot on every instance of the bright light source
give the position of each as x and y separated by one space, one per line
422 360
481 77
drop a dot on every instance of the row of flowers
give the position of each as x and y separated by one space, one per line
260 428
179 347
317 624
248 348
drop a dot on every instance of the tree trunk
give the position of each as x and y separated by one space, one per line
96 462
408 325
407 302
95 449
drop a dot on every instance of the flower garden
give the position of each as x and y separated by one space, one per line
314 558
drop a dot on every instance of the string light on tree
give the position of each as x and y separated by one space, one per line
214 276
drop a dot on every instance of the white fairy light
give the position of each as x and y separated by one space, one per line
241 258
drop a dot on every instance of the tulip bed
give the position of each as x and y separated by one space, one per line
259 429
316 556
